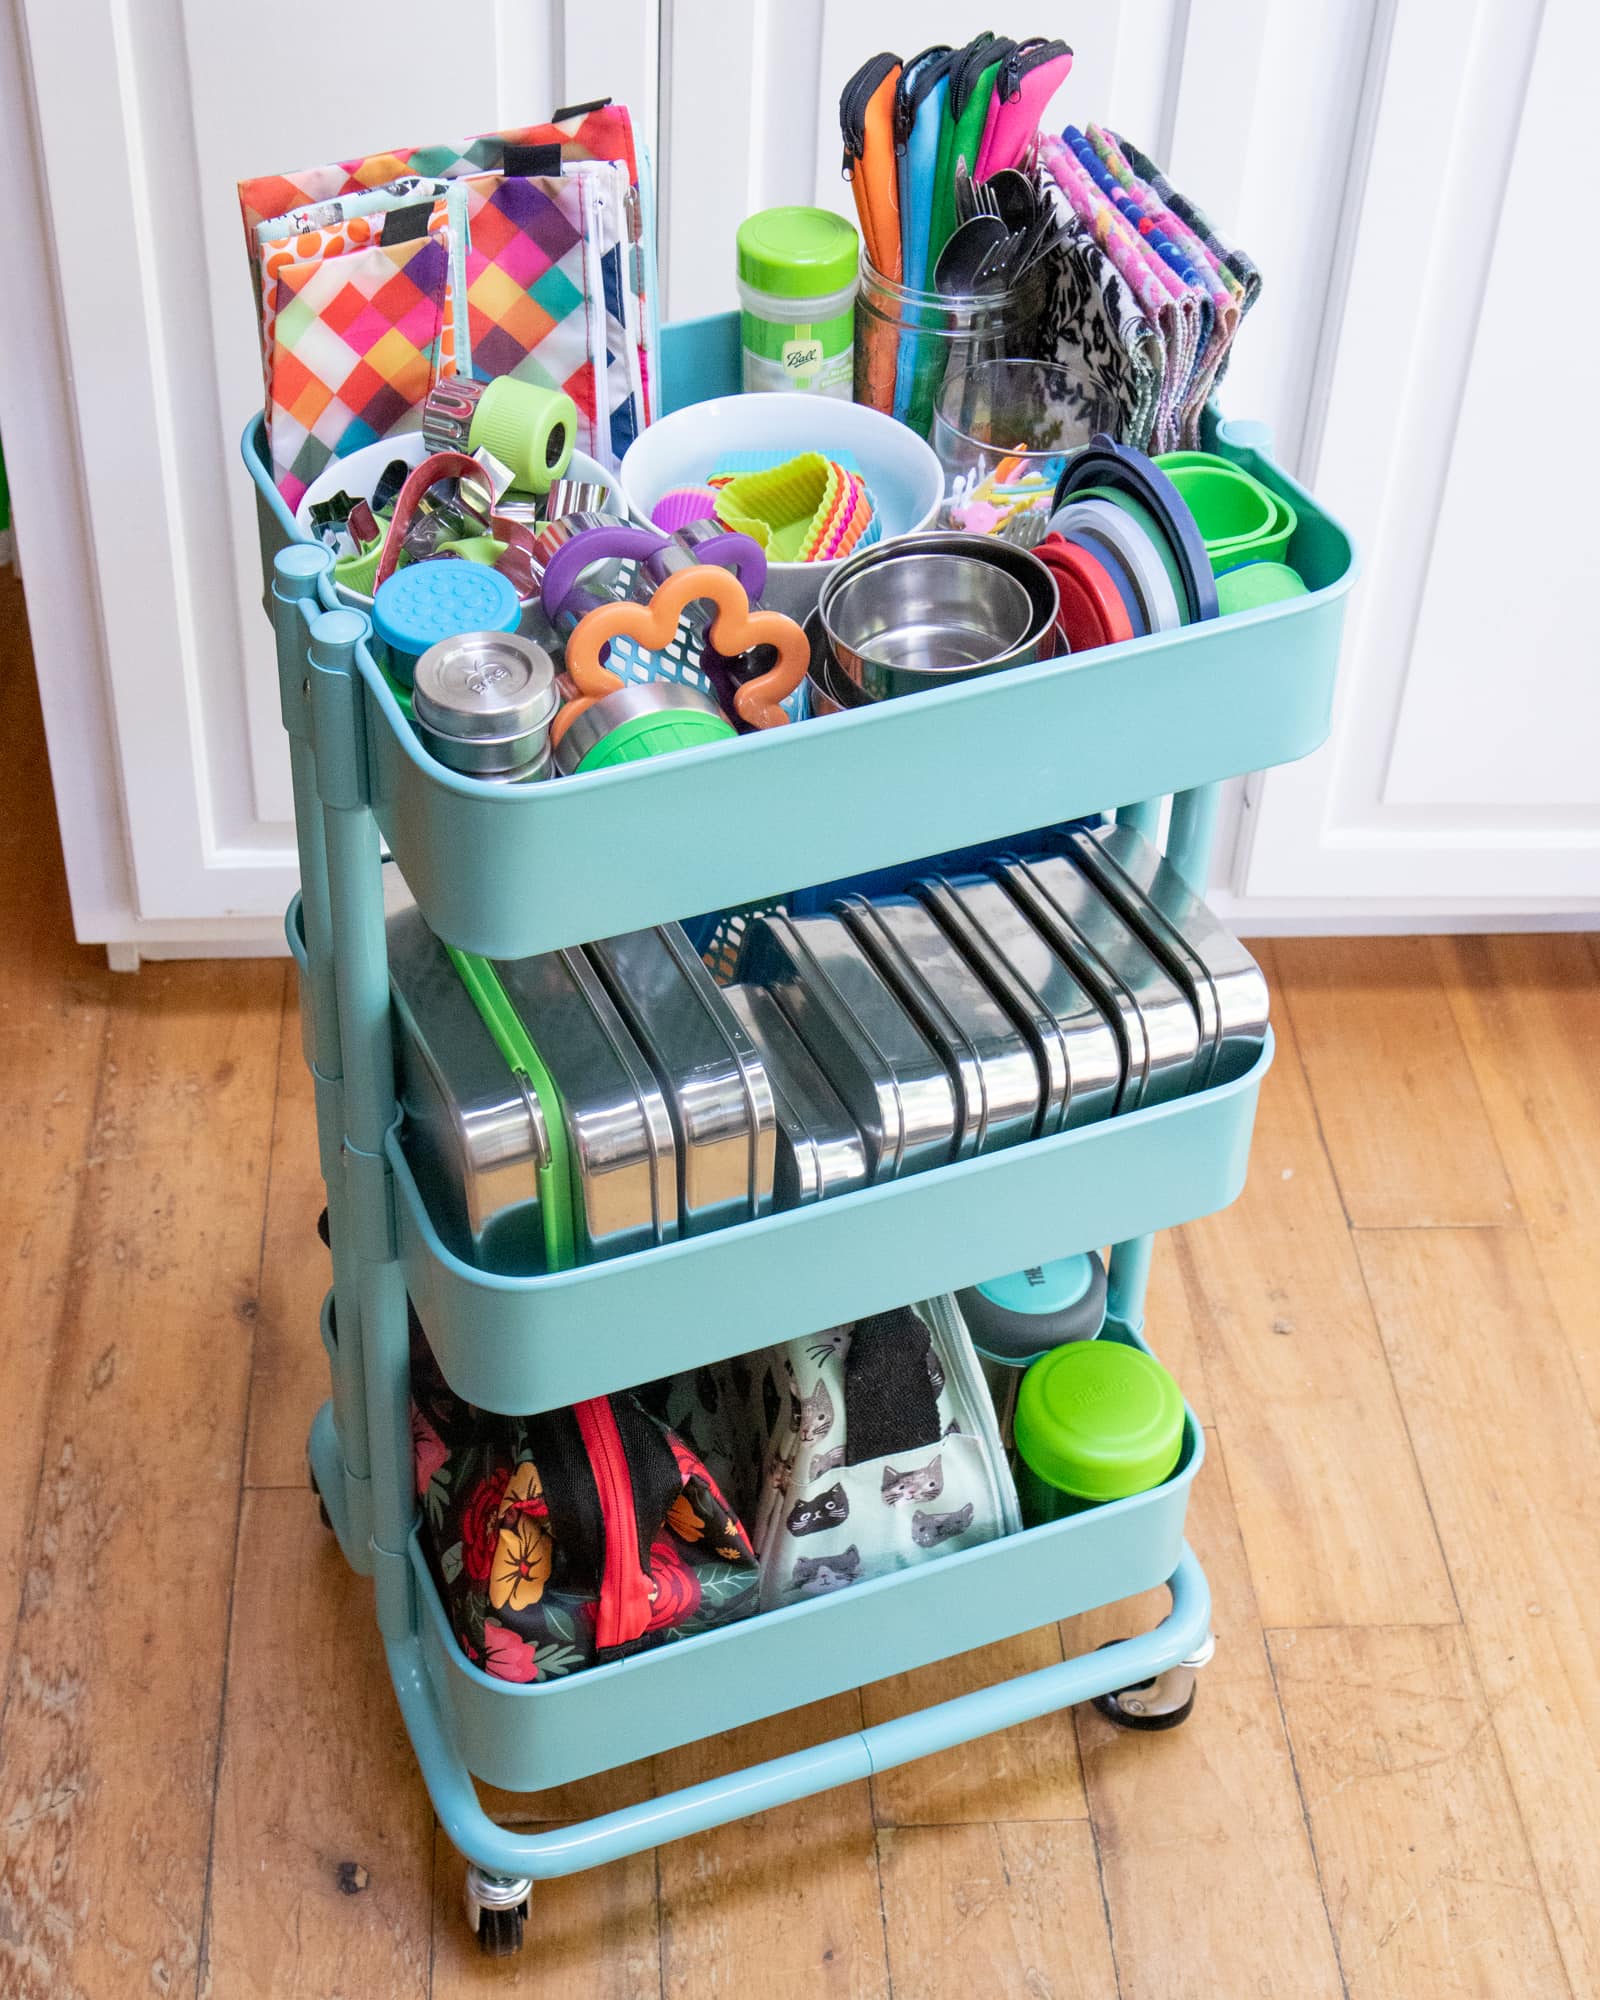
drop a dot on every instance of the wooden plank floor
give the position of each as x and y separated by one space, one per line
1391 1782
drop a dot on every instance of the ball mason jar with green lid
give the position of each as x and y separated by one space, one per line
798 271
1095 1421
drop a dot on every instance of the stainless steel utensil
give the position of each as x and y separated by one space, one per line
474 1134
916 617
1075 1050
970 248
891 1080
984 1050
1157 1027
619 1133
1226 987
710 1073
820 1150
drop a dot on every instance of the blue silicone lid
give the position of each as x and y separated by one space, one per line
430 601
1042 1288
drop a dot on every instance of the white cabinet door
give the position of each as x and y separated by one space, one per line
1463 776
122 412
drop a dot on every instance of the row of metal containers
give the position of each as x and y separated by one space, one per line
886 1035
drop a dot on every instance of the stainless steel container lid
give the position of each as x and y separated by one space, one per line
638 698
484 684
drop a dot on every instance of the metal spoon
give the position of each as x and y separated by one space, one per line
971 246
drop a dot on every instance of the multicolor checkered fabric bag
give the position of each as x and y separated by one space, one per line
546 255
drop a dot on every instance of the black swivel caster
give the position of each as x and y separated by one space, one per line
1165 1702
497 1911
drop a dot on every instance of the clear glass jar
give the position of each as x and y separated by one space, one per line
908 341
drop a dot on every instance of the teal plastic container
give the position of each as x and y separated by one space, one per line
845 794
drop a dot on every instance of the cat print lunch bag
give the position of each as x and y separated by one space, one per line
576 1536
869 1447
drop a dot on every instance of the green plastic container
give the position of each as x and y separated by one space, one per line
1240 518
798 270
1095 1421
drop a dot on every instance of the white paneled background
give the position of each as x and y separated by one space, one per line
1419 351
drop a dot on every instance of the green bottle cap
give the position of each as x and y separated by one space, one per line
798 253
1099 1420
654 736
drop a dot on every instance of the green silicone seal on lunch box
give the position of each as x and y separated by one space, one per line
1095 1421
503 1021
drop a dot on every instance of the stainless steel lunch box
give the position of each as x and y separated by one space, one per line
996 1077
1075 1050
710 1072
474 1133
891 1079
820 1150
1154 1021
1226 988
623 1155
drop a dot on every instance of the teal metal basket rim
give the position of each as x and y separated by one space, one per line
616 1674
536 798
783 1224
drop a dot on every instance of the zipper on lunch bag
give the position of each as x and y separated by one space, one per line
970 64
622 1611
1024 57
919 76
853 101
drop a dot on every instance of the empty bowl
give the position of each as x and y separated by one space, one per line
934 609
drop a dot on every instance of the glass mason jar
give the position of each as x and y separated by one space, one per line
907 341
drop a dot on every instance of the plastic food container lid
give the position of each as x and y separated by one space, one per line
1027 1312
1253 584
1099 1420
654 736
794 252
484 684
430 601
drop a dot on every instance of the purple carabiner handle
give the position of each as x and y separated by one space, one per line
592 546
726 548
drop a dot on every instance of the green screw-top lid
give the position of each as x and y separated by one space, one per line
654 736
797 252
1099 1420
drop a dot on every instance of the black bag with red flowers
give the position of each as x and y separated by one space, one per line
576 1536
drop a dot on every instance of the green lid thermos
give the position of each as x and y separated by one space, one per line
1015 1319
1095 1421
798 271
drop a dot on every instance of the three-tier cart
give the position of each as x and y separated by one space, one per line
508 871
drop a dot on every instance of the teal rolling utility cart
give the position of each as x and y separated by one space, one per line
508 871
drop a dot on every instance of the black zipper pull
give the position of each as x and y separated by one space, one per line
1024 57
918 77
853 102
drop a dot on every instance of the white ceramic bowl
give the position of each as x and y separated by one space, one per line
683 449
360 472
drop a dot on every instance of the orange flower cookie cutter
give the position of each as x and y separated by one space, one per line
735 629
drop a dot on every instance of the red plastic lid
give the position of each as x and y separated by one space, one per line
1092 611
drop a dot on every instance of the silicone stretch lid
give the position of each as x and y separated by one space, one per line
1104 462
1092 612
1103 524
794 252
429 601
1121 581
654 736
1138 511
1253 584
1099 1420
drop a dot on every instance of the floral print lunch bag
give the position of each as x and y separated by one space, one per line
572 1537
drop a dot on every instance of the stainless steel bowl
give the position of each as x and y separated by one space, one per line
828 691
931 609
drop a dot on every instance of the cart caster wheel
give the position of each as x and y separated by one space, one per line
322 1505
497 1911
1165 1702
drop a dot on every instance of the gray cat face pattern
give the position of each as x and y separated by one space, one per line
826 1518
